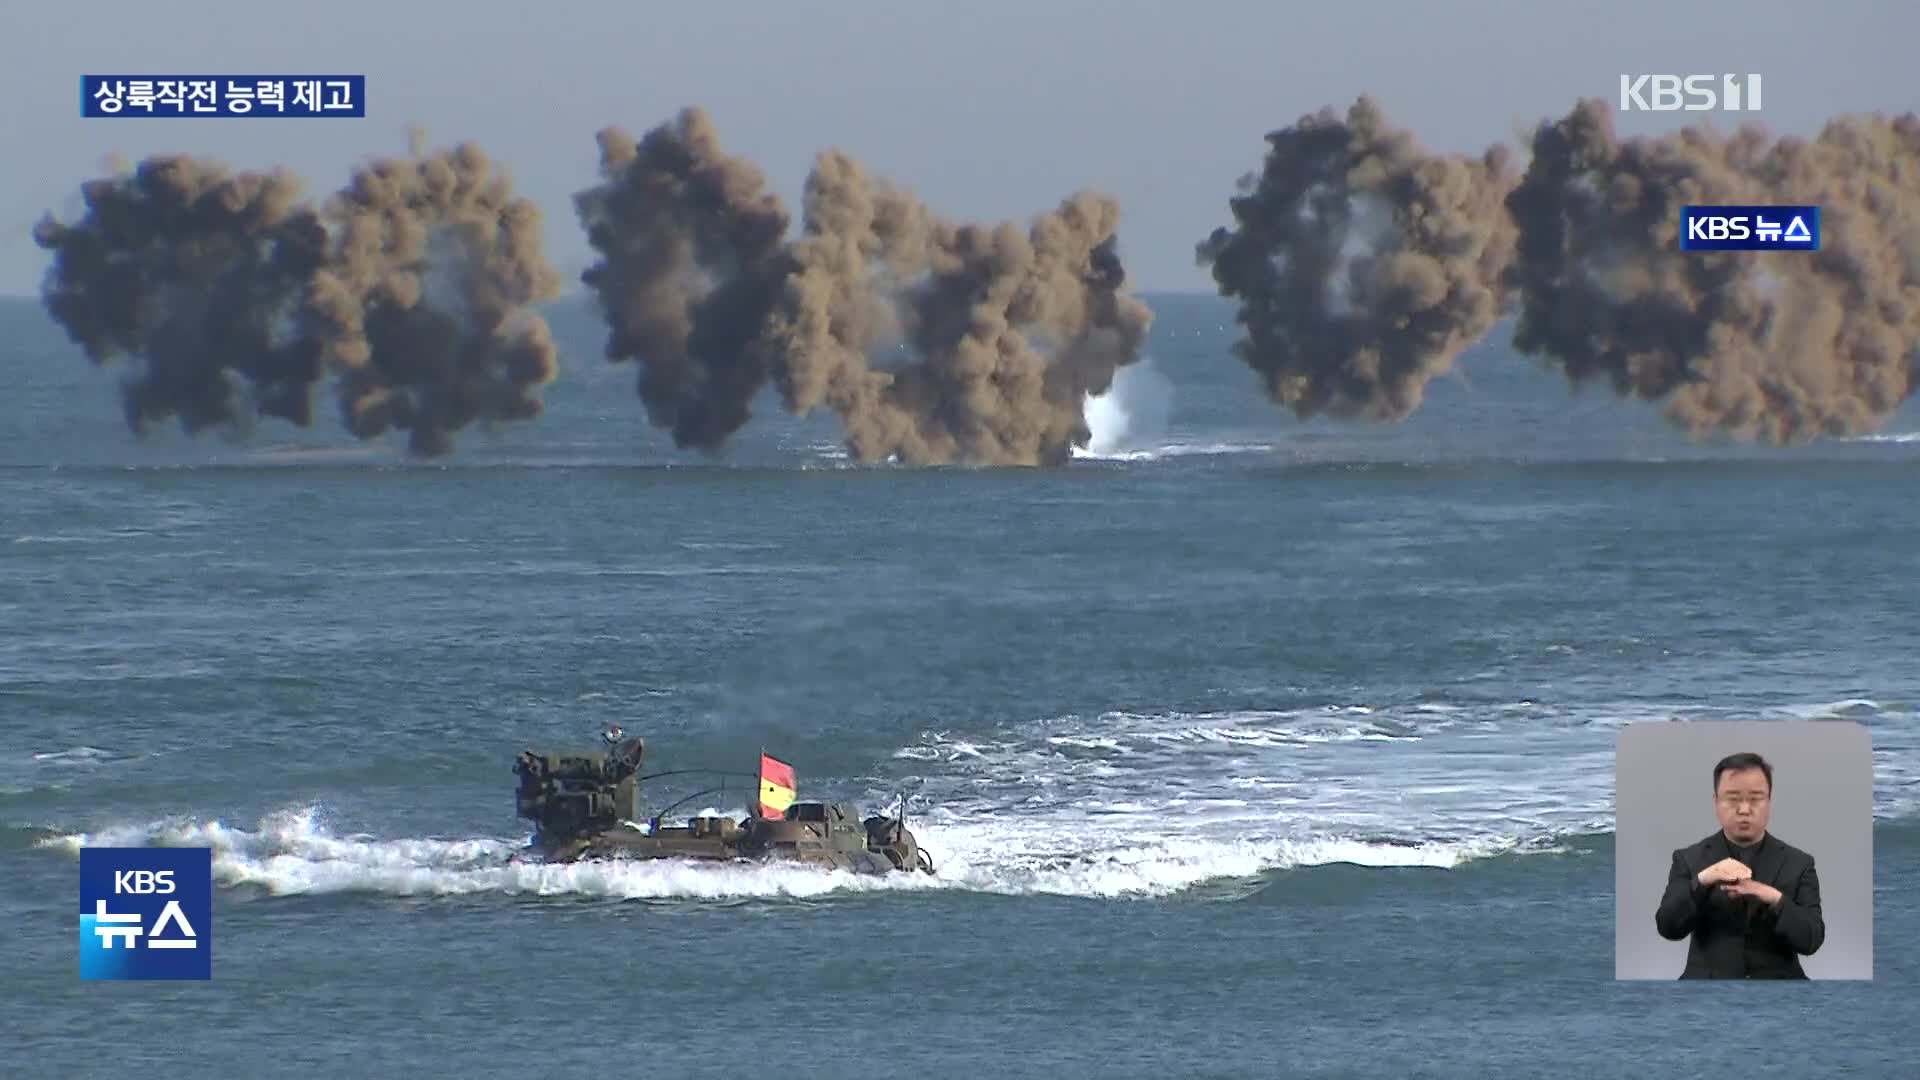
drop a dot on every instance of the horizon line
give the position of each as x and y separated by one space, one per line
581 291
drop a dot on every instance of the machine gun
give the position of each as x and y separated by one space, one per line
571 795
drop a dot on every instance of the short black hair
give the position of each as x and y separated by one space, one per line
1742 760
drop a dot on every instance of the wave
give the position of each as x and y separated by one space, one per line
1237 792
56 770
1407 772
76 755
1174 450
292 853
1116 805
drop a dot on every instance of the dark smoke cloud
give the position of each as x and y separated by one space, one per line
692 255
999 333
200 273
994 335
1363 265
1780 347
238 298
424 307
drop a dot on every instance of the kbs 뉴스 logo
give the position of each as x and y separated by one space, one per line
146 913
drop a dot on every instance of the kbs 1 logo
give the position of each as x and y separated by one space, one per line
272 96
1692 93
1749 228
146 913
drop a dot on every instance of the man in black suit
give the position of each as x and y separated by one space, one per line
1749 900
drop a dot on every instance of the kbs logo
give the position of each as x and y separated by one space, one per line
1692 93
1749 228
146 913
142 881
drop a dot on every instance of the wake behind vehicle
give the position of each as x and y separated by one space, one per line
586 806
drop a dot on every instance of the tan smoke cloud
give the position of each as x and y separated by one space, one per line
1782 347
236 298
692 254
424 307
989 338
1363 265
933 342
196 274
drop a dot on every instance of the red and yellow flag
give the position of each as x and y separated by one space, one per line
776 787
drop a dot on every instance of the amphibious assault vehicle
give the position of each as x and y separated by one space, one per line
586 806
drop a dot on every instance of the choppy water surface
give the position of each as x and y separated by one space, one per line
1244 747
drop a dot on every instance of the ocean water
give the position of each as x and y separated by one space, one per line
1245 747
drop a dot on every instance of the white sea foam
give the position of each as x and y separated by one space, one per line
1122 804
76 755
1174 450
293 853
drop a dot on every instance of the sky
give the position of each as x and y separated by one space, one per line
986 110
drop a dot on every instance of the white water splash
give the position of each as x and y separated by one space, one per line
1132 415
294 853
1117 805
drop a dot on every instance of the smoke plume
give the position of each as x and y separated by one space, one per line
1362 267
1362 264
1782 347
411 288
996 334
199 274
424 306
692 254
992 336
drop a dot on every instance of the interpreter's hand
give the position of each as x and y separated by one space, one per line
1726 871
1759 890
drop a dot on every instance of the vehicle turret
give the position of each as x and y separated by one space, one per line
568 795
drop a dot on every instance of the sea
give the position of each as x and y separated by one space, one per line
1243 746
